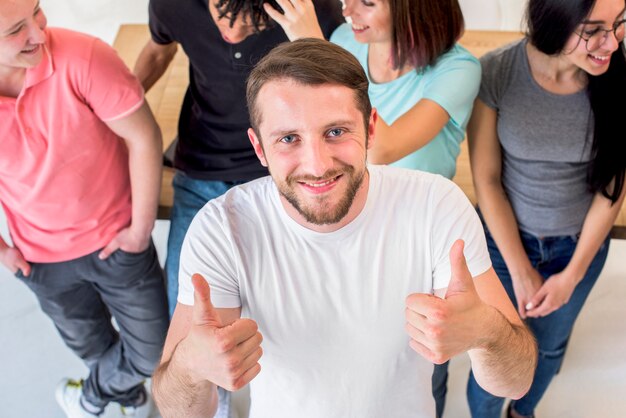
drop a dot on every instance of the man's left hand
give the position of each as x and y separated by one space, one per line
442 328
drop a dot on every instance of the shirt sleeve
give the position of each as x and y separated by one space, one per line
455 218
109 88
208 250
453 83
159 29
491 83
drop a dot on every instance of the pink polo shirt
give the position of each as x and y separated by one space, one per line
64 178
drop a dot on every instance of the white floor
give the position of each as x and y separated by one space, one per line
592 382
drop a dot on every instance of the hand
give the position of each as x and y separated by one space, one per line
128 240
525 288
442 328
555 292
299 19
13 259
228 355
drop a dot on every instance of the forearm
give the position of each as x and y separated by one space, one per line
412 131
145 161
152 63
502 224
178 396
504 362
597 225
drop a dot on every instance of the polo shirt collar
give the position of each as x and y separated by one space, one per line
41 72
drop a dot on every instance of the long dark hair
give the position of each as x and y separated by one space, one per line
550 25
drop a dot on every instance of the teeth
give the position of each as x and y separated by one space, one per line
359 27
599 58
326 183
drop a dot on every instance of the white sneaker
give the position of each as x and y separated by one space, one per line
142 411
68 394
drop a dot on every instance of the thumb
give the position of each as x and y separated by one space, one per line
203 311
23 265
537 299
110 248
460 276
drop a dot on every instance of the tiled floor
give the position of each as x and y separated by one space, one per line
592 382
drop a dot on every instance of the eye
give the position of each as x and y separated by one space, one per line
288 139
590 32
335 132
368 3
16 31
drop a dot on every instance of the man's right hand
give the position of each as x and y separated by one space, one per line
226 355
13 259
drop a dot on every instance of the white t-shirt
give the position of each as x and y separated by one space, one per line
331 306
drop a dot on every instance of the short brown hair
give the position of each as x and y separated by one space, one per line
423 30
309 62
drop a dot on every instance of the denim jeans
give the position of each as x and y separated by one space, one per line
190 195
81 295
548 255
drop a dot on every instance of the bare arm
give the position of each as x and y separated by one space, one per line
204 347
557 291
505 361
407 134
486 163
477 316
143 140
152 62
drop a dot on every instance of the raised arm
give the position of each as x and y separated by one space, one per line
476 316
205 346
152 62
486 162
408 133
298 18
557 291
143 140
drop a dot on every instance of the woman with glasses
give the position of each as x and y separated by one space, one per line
547 150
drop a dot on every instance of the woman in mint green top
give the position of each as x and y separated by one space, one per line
421 82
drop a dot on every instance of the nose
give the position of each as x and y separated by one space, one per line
348 8
611 42
36 29
317 159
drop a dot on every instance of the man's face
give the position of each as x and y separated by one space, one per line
21 34
241 29
314 143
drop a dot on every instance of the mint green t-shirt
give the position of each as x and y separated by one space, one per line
452 82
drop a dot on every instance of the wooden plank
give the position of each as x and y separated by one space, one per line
166 96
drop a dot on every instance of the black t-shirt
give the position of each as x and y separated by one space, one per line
212 139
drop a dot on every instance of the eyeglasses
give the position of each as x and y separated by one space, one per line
596 37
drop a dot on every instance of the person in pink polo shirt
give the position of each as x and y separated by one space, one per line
80 167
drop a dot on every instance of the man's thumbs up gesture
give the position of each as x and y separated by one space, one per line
442 328
224 354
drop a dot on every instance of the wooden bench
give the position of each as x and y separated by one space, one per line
166 97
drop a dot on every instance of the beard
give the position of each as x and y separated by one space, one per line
322 211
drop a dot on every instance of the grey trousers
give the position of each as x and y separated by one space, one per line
81 295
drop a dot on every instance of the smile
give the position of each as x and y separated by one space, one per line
31 50
359 28
321 186
600 59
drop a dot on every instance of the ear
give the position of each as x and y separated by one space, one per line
258 148
371 128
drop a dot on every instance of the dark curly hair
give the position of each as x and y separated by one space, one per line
251 9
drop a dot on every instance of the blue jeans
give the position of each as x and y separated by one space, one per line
190 195
548 255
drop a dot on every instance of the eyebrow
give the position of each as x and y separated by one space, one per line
21 22
334 124
598 22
